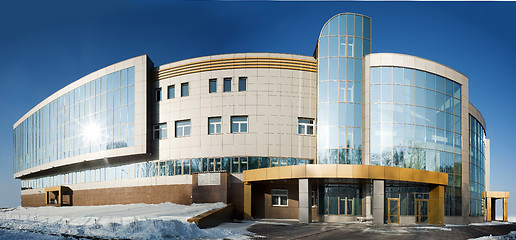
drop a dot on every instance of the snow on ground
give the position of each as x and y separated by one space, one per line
432 228
510 236
489 223
135 221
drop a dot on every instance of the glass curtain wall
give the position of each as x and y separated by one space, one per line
344 40
96 116
162 168
340 199
477 174
408 193
416 123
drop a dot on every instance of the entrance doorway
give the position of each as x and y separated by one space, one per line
421 211
393 210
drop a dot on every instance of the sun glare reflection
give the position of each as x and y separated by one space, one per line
91 132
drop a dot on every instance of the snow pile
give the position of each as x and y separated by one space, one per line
134 221
510 236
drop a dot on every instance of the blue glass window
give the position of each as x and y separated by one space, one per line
213 85
242 84
227 84
184 90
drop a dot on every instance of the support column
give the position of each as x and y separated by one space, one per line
366 210
378 201
505 217
247 201
488 209
305 201
436 205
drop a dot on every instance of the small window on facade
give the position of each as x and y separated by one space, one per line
279 197
227 84
305 126
213 85
239 124
160 131
157 92
183 128
214 125
171 91
242 84
184 89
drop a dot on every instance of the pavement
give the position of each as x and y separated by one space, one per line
294 230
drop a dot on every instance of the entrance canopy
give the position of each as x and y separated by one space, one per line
378 174
58 195
346 171
490 206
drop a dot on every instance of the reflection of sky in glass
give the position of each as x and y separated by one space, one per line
477 172
95 116
416 123
342 44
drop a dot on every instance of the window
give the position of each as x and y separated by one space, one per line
183 128
171 91
242 84
227 84
184 89
213 85
157 92
305 126
214 125
279 197
239 124
160 131
350 47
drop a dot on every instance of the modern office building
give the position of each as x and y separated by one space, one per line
343 135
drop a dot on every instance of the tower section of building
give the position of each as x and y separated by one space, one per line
478 158
342 43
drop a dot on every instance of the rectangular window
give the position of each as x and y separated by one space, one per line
305 126
157 92
350 47
242 84
184 89
214 125
160 131
213 85
279 197
227 84
171 91
183 128
239 124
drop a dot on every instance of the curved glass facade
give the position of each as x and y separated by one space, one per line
96 116
477 173
416 123
344 40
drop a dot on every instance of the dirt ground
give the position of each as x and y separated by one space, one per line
293 230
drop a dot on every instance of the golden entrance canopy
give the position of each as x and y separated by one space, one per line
489 198
54 195
345 171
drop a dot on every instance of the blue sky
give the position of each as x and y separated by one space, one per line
45 46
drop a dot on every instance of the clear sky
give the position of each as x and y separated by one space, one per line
45 45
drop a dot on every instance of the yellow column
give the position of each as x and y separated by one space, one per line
488 209
247 201
505 219
436 205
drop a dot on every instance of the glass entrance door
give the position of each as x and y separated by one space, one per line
393 210
421 211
